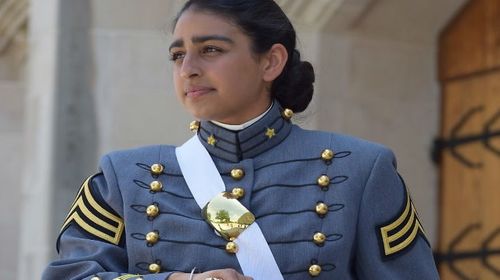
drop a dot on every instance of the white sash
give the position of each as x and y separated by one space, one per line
204 181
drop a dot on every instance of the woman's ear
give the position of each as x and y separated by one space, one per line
274 62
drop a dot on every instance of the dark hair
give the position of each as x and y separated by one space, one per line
266 24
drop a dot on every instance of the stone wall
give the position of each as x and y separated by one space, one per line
12 172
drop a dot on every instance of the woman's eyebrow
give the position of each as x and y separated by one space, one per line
200 39
176 44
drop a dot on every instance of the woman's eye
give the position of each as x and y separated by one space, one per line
176 56
211 50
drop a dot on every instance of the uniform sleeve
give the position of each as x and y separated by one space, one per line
391 242
91 244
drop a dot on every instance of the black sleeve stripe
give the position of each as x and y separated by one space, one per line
87 213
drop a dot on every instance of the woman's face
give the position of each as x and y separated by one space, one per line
216 74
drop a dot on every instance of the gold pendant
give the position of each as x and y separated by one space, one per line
227 215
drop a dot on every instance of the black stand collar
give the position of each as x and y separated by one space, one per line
259 137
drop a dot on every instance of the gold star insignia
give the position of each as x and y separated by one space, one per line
211 140
270 133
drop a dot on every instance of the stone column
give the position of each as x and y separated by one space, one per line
60 126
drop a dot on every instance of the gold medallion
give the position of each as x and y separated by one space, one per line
227 215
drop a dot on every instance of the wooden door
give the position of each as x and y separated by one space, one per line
469 145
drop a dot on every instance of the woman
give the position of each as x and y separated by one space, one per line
295 204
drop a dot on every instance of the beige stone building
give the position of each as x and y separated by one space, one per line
80 78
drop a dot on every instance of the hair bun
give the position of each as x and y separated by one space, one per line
294 89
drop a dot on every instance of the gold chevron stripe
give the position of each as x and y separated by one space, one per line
412 226
85 197
128 276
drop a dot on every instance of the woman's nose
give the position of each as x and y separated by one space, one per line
189 67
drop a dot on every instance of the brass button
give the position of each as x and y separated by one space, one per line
321 208
152 237
231 247
157 169
319 238
237 173
194 126
152 211
314 270
327 155
238 192
287 114
323 181
154 268
155 186
95 278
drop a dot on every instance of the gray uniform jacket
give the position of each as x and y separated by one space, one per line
330 207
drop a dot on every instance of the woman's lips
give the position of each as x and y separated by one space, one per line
197 92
